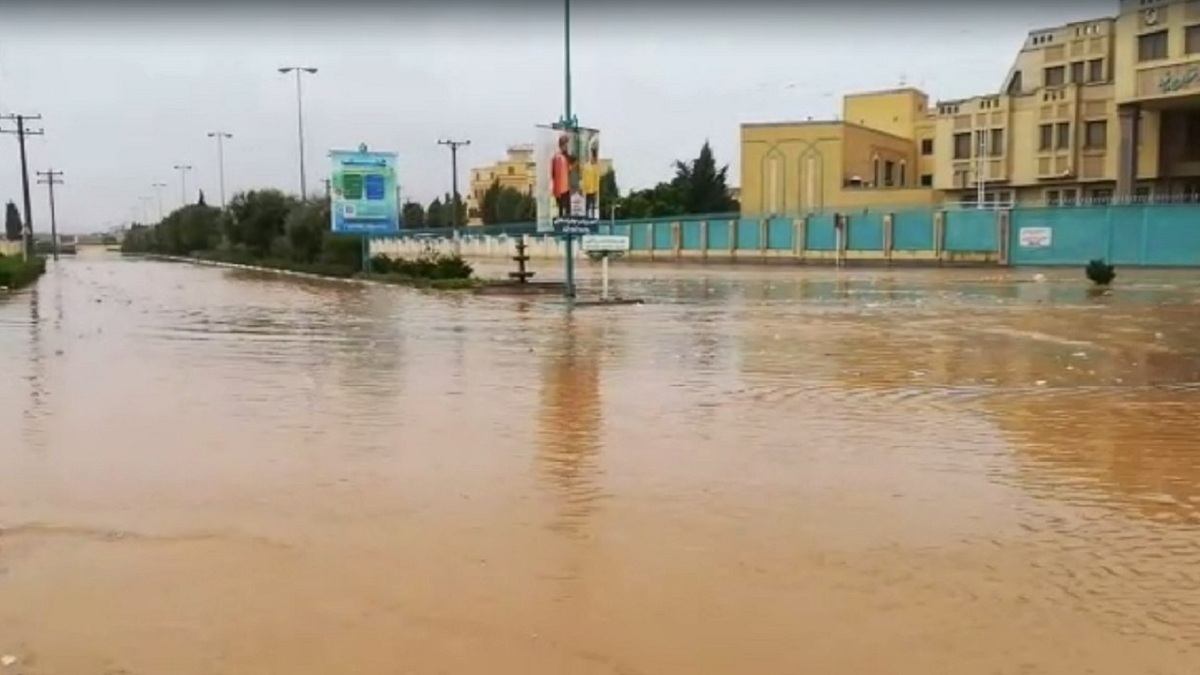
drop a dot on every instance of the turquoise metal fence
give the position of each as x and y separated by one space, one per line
1150 235
1133 234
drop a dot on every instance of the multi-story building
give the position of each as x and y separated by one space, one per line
517 170
1091 110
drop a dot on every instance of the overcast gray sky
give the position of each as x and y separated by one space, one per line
128 91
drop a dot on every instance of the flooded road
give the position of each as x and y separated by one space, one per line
769 471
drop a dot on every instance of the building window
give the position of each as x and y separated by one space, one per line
889 173
1096 70
511 170
1045 137
1068 197
876 179
1152 46
1062 136
1191 40
1141 194
926 180
927 146
1095 135
903 178
1051 197
1191 137
1101 196
996 142
1077 72
1055 76
962 146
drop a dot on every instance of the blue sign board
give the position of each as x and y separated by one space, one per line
575 226
363 197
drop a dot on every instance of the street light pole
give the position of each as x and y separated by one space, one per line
569 123
299 70
158 188
183 169
146 207
454 146
221 136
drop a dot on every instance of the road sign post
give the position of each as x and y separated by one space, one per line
606 245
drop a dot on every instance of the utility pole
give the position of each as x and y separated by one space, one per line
50 178
22 132
183 169
221 136
299 70
454 146
158 188
570 123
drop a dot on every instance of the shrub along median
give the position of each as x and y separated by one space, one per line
266 228
16 272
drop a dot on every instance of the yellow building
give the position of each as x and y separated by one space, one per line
517 170
1088 111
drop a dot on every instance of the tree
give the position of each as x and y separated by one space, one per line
660 201
698 188
413 214
256 219
434 215
702 185
305 227
502 205
12 222
200 202
455 216
610 194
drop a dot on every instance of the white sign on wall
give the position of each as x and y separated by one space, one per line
605 242
1035 237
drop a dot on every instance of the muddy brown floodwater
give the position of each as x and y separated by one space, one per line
767 471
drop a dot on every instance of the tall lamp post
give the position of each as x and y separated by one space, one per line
221 136
183 169
146 207
300 70
158 188
569 123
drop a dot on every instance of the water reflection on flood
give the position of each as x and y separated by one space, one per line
764 470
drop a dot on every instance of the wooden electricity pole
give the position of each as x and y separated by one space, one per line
50 178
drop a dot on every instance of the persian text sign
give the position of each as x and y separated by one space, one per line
1035 237
604 242
574 226
363 192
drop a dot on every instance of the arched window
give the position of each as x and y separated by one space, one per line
773 180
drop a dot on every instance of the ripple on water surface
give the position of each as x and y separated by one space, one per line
961 470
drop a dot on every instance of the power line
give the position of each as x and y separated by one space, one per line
50 178
21 132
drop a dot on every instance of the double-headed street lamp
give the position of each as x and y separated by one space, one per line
299 70
183 169
158 188
221 136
